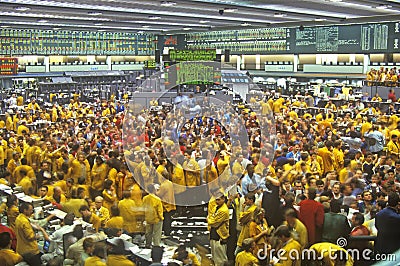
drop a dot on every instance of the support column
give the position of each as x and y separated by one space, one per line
238 62
46 62
258 61
366 63
295 62
109 62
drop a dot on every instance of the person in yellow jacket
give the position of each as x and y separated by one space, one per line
218 224
98 254
393 146
100 210
22 128
129 210
8 257
9 122
90 217
153 210
166 194
13 163
80 167
109 194
327 156
25 183
27 245
178 176
246 257
192 171
116 220
245 217
298 229
99 174
116 255
332 255
290 251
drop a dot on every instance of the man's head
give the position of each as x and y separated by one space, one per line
220 199
248 244
98 202
43 191
357 219
249 199
366 196
5 240
290 215
26 209
283 233
85 211
393 199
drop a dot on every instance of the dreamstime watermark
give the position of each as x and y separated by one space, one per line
332 253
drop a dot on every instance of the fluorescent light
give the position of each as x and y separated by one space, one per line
279 15
167 3
245 24
140 32
204 21
94 13
56 28
42 21
230 10
145 26
154 17
98 24
22 8
319 19
187 28
101 30
5 26
382 6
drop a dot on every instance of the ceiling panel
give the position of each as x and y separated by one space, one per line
179 16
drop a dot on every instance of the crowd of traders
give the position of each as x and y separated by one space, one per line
322 168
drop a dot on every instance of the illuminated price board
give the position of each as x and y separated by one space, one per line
150 64
8 66
192 55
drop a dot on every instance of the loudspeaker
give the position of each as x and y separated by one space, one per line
227 55
157 55
388 58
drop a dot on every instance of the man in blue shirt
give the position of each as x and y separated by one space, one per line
252 178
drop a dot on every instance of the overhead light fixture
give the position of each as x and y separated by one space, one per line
230 10
319 19
245 24
383 6
187 28
98 24
95 13
140 32
5 26
22 8
167 3
101 30
56 28
154 17
43 21
203 21
279 15
145 26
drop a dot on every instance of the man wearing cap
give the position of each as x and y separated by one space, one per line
218 223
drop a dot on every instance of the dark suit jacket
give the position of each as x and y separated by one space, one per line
387 222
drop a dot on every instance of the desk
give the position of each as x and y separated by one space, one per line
142 257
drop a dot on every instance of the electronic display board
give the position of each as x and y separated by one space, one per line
49 42
357 38
192 55
8 66
192 73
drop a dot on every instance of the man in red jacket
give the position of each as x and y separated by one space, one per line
311 214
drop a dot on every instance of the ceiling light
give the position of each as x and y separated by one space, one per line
56 28
279 15
94 13
145 26
245 24
204 21
154 17
42 21
336 0
140 32
230 10
22 8
187 28
98 24
382 6
101 30
319 19
5 26
167 3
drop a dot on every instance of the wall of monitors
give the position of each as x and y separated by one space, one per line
49 42
360 38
